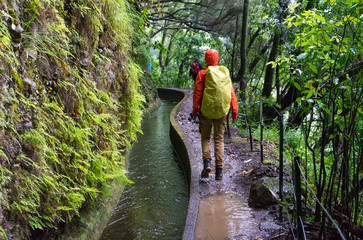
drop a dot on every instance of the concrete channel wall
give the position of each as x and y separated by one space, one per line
186 154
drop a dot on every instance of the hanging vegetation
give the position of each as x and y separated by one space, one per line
70 107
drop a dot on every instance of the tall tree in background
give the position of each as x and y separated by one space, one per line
243 53
267 85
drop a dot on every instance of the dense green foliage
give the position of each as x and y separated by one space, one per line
305 59
70 108
327 72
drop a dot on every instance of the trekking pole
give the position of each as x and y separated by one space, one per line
228 132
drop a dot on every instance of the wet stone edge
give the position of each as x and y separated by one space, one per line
187 156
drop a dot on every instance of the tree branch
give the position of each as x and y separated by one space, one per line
166 28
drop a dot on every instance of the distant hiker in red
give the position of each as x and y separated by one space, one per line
195 68
213 97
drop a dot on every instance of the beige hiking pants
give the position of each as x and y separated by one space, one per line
206 125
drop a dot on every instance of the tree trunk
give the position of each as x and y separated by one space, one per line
167 58
234 50
286 101
322 173
181 67
267 85
253 64
161 63
242 71
254 36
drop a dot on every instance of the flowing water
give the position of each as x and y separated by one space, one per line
155 206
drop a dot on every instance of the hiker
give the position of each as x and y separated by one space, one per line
212 98
195 68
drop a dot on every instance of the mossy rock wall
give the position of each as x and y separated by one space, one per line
70 107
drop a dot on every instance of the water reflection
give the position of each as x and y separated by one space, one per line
225 215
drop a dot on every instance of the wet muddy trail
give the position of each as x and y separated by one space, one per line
223 210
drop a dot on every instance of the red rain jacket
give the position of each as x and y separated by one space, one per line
211 58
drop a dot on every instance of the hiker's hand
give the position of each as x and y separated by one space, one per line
191 117
197 118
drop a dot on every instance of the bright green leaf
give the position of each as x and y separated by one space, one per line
321 18
301 56
296 85
313 68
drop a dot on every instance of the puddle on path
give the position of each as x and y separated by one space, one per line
224 215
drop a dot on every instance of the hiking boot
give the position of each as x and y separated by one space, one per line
219 173
206 168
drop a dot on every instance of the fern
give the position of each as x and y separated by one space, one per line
7 56
74 153
3 234
5 173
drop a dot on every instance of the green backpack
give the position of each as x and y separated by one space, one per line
217 92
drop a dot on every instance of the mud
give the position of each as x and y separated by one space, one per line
223 209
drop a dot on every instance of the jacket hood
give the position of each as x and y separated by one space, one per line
211 57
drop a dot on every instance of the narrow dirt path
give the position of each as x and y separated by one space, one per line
223 209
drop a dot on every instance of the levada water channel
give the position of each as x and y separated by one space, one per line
155 205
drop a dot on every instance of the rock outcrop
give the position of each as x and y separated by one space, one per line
263 192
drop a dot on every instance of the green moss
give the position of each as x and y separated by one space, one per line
73 104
